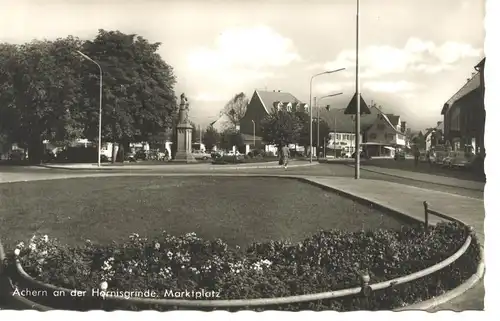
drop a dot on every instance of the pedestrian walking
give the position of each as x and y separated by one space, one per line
416 156
285 155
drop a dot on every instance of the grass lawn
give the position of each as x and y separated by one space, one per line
238 210
424 167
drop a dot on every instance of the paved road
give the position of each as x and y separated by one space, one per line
338 170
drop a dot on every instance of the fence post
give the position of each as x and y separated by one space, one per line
426 213
366 290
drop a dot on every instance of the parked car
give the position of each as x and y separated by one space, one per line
400 155
461 159
130 157
199 154
16 155
447 159
439 157
140 155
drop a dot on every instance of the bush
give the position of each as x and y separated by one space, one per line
257 153
327 261
79 154
229 159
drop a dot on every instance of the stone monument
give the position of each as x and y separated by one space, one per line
184 132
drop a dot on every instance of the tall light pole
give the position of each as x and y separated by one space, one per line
310 107
318 119
100 106
253 123
358 126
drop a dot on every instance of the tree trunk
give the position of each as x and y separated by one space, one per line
35 151
113 154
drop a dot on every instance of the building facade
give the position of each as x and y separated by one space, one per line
262 104
464 115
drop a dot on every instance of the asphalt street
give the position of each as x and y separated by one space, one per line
339 170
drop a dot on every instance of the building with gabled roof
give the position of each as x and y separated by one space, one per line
261 104
464 114
380 133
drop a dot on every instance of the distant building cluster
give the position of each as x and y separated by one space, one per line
381 134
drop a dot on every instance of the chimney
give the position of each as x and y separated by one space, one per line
403 126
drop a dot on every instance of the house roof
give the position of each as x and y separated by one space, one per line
481 64
394 119
338 121
429 131
269 98
471 85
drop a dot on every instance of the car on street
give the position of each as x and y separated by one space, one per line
447 160
460 159
439 157
201 155
399 155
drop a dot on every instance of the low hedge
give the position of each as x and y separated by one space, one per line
329 260
226 159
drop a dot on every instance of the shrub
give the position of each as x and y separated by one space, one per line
326 261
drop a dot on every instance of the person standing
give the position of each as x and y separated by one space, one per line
285 155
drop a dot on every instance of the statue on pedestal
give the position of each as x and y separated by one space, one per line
183 110
184 132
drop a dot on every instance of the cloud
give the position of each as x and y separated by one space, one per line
252 48
390 86
212 97
330 87
239 58
416 56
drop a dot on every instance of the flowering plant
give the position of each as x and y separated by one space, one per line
326 261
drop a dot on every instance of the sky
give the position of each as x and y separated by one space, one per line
413 54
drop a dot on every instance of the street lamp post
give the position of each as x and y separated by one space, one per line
253 123
358 126
310 106
100 106
318 119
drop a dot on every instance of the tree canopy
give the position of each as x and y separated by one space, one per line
282 127
211 138
50 92
235 109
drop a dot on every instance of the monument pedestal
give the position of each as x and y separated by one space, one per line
184 154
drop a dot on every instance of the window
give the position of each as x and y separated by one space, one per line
373 136
390 136
337 137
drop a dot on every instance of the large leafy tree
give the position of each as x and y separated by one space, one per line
41 88
211 138
235 109
324 130
138 97
230 138
282 127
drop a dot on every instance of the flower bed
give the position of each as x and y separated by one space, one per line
327 261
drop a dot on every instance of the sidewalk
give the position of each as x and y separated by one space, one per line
409 201
429 178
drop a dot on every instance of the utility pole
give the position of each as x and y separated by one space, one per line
358 125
